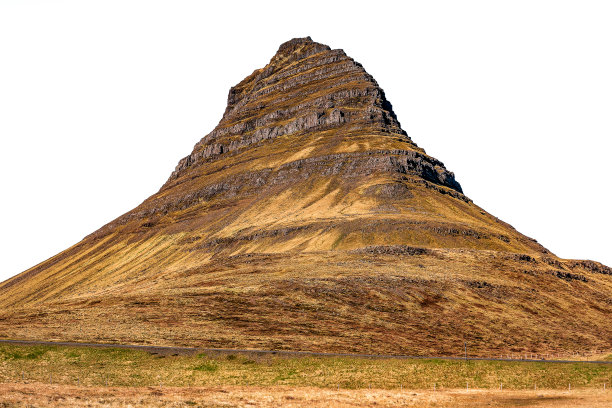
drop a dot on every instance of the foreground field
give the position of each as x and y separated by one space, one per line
54 376
38 395
95 367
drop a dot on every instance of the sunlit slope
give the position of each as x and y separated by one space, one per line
303 213
308 219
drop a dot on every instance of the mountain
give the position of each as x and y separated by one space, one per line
309 220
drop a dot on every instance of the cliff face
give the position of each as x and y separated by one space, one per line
308 219
308 88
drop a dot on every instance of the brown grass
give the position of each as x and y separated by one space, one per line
340 302
21 395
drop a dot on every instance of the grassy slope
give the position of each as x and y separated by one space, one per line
332 211
163 285
339 301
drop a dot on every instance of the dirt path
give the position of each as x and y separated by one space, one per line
37 394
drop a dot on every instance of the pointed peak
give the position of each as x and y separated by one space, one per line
293 42
299 48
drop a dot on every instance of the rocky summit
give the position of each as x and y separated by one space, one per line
309 220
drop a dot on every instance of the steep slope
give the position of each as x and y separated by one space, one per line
308 219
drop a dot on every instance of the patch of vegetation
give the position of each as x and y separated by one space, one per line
26 354
209 366
286 375
338 240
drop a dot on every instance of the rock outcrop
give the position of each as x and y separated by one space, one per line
308 87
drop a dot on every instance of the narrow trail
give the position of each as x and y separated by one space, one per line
168 350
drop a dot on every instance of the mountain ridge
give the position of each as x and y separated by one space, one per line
308 198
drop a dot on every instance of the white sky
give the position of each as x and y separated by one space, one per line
100 99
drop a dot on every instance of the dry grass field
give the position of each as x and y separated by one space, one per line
54 376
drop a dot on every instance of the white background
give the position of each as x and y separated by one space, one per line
100 99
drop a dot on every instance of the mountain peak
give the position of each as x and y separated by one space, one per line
306 88
302 46
307 219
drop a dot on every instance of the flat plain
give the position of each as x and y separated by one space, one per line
83 376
